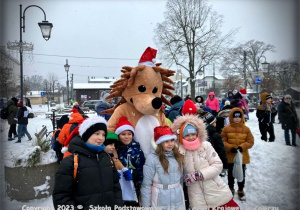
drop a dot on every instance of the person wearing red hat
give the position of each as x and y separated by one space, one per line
202 165
163 173
22 118
130 155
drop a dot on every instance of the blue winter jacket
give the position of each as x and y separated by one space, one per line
154 196
175 111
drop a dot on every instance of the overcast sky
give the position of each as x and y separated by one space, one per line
99 37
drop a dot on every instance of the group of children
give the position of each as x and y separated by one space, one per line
181 155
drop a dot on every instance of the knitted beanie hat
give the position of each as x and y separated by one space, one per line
91 125
268 97
189 107
189 129
207 117
111 138
123 125
162 134
237 114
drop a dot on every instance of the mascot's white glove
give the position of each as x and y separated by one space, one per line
193 177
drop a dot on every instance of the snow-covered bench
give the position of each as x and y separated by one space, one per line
42 133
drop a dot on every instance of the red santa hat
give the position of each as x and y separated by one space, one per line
148 57
189 107
124 125
243 92
162 134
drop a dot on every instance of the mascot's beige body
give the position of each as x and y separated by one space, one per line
141 89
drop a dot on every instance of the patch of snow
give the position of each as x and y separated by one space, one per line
43 189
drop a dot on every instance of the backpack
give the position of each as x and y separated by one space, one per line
4 113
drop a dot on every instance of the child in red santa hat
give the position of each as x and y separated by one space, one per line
130 155
163 172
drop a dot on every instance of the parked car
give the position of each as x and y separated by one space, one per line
90 104
3 102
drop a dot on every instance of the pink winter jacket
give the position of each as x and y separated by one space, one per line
212 191
212 104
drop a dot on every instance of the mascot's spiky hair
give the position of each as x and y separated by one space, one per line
128 77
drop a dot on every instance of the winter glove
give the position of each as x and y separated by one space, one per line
193 177
240 149
233 150
127 174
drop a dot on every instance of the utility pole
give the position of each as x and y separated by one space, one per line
47 95
72 88
245 76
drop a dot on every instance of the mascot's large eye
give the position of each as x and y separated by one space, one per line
155 90
142 88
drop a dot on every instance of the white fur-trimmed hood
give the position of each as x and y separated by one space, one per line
193 119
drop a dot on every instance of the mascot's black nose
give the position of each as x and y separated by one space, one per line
156 103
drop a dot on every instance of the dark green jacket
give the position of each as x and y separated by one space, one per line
12 112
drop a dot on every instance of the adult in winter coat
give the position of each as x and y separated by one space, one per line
289 119
265 114
12 113
22 117
162 184
199 102
201 166
175 110
213 103
104 104
96 182
237 136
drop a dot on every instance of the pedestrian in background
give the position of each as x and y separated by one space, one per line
22 117
266 116
289 119
213 103
103 105
12 121
175 110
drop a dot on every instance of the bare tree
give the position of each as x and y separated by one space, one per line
286 72
190 36
232 82
7 84
253 51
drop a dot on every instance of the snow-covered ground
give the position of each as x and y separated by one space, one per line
272 177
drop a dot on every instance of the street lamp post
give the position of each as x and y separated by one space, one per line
46 32
265 65
67 66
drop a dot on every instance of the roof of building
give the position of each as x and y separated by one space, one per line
98 86
219 77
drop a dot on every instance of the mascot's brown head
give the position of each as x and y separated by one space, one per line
143 86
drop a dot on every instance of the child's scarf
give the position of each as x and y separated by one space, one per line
191 145
96 148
